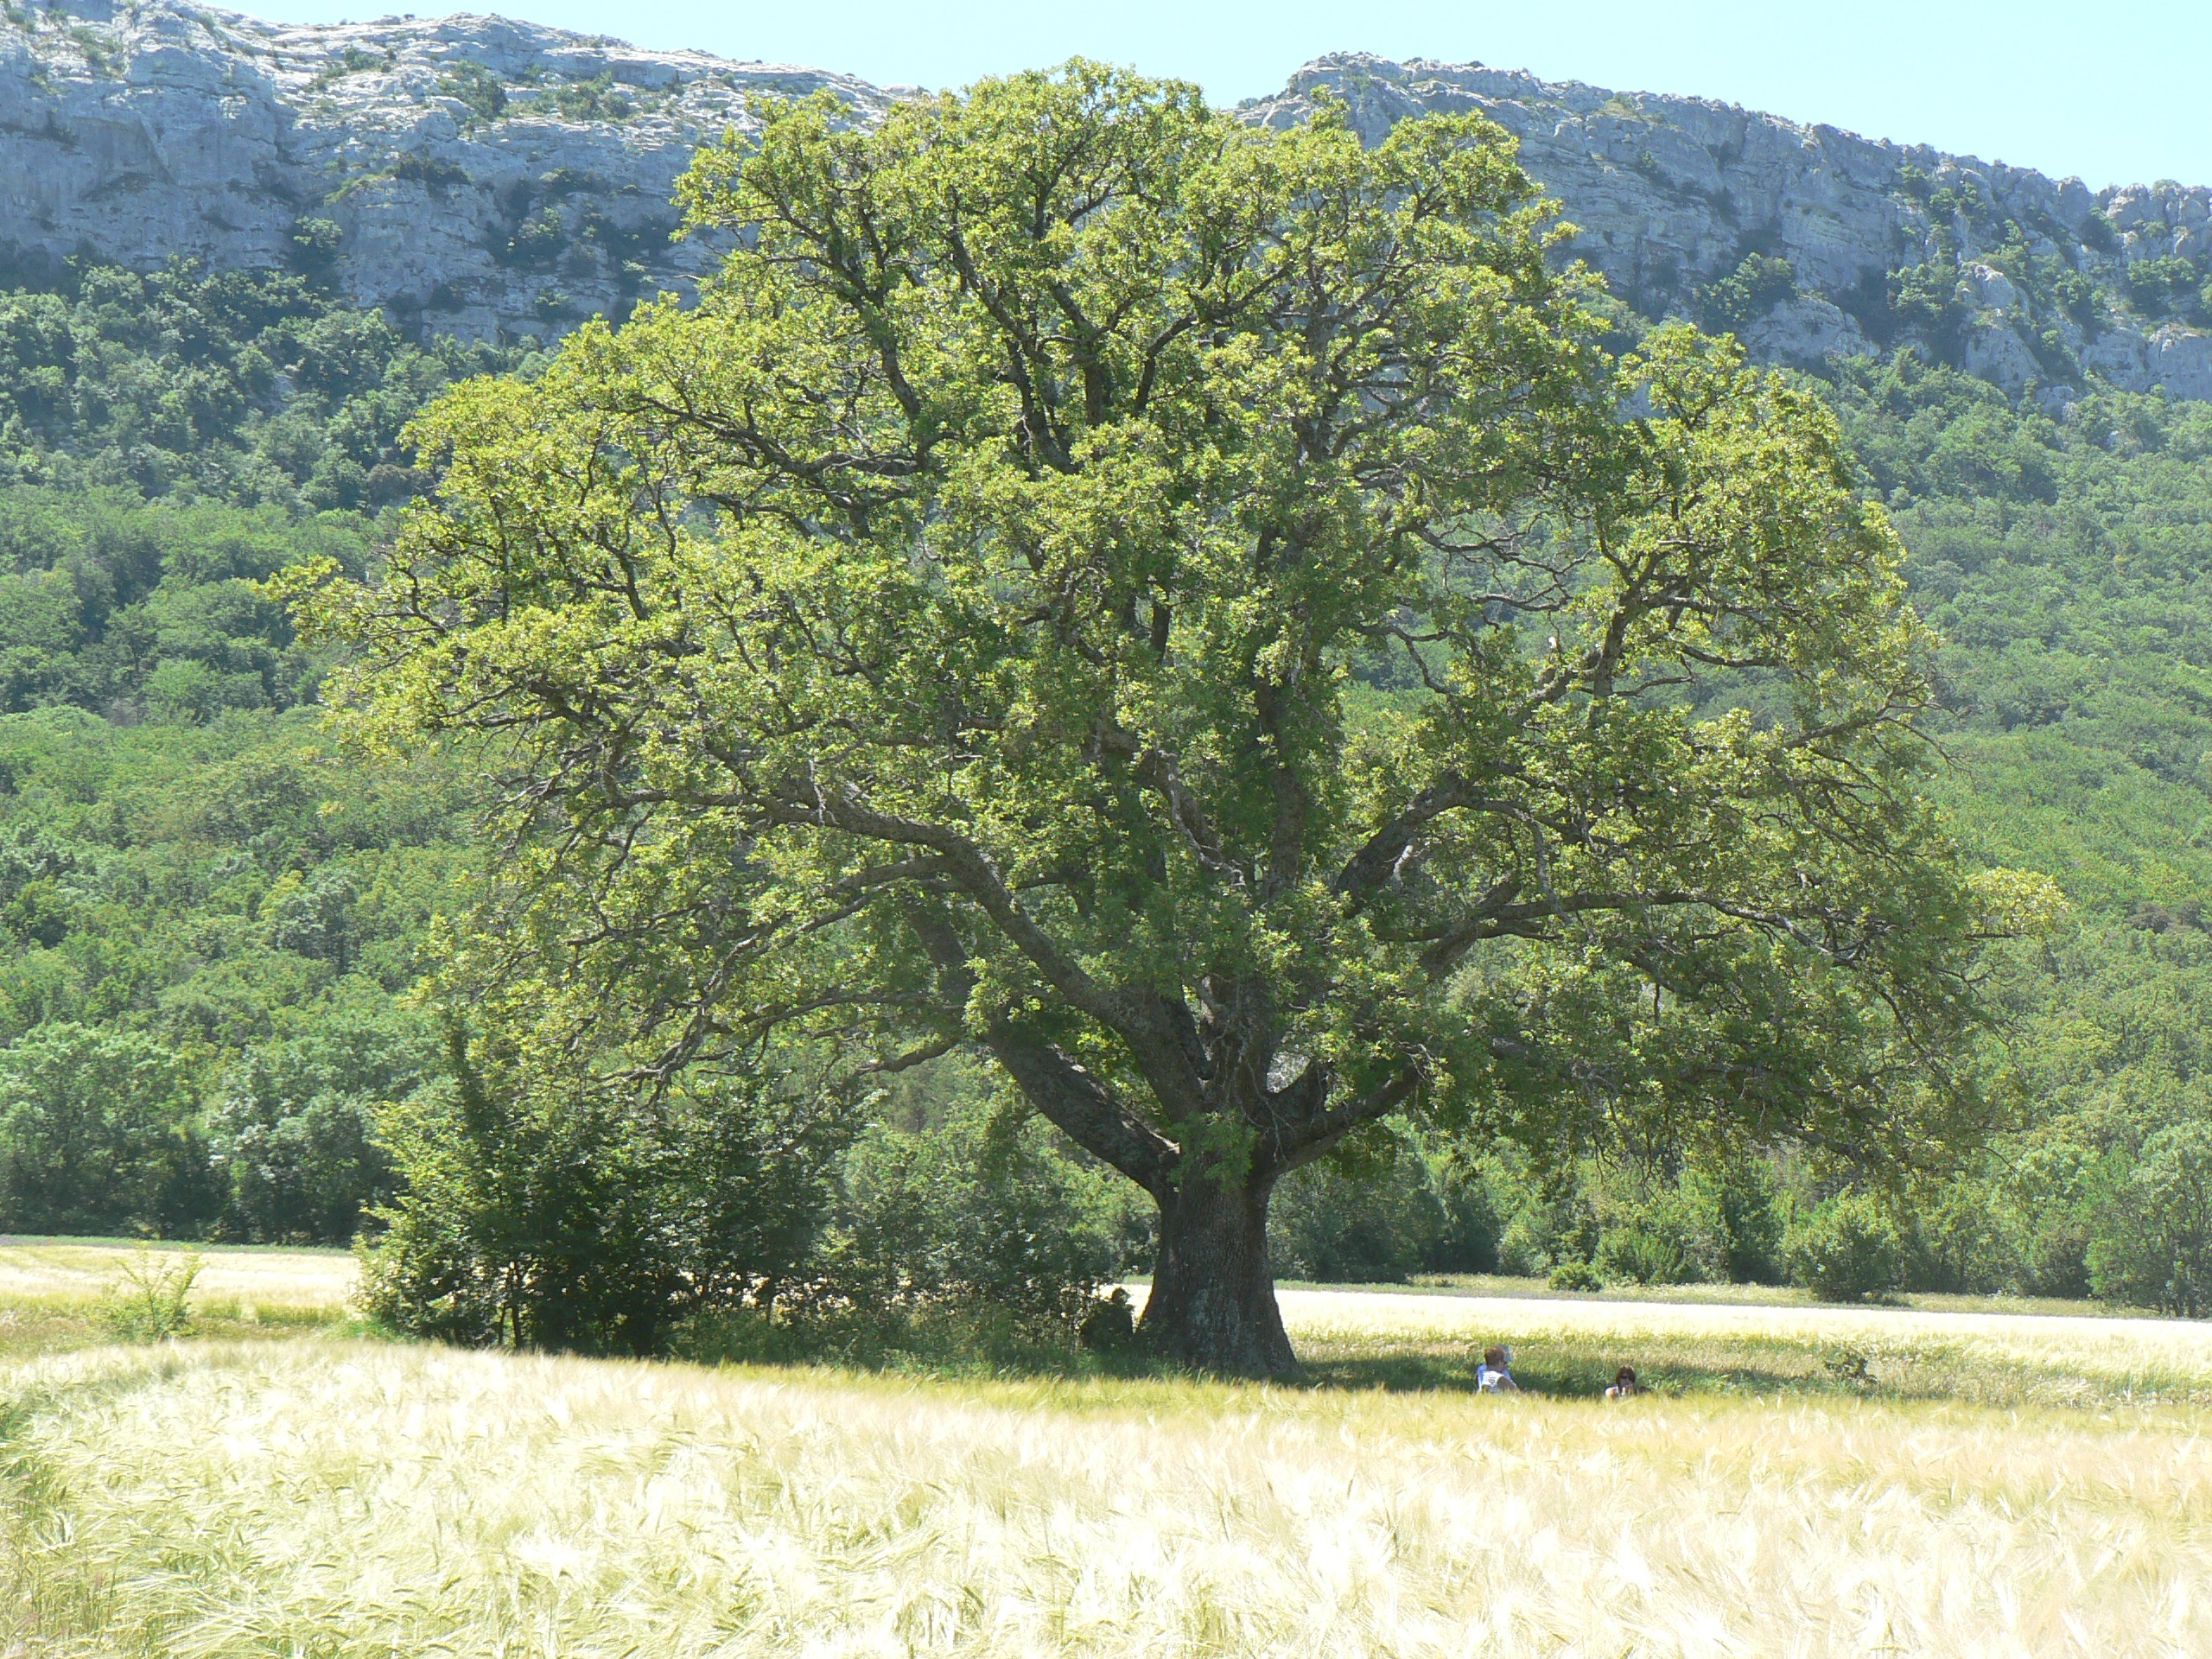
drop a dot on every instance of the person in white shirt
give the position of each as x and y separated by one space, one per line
1492 1376
1625 1386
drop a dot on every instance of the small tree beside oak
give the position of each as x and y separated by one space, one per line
1193 614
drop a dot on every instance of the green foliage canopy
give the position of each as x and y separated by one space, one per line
89 1137
2154 1250
945 633
258 387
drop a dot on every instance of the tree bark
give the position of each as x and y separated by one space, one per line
1213 1295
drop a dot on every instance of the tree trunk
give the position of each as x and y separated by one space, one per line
1213 1296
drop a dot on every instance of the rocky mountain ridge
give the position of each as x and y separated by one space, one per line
1813 242
474 175
493 178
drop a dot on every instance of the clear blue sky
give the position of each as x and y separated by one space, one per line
2115 91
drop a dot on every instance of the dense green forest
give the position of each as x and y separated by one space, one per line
209 916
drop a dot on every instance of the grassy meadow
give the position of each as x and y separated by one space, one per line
53 1290
1806 1481
1986 1350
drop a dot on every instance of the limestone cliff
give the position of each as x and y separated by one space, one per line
2029 282
475 175
490 178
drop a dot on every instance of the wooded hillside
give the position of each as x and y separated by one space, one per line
210 917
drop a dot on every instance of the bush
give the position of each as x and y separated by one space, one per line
1755 287
1552 1221
477 87
1381 1212
2153 1239
315 243
1618 1220
1372 1219
562 1213
1846 1250
292 1129
986 1210
1110 1326
1748 1207
1474 1222
554 1210
151 1301
1641 1255
1655 1230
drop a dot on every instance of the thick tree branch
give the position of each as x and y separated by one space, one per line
1081 1104
1070 1097
1303 1142
1371 866
975 873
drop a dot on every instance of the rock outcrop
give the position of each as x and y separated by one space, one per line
486 178
1672 195
476 176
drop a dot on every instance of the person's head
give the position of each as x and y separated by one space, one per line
1625 1377
1495 1358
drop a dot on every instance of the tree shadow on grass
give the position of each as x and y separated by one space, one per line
1577 1377
1688 1369
968 1348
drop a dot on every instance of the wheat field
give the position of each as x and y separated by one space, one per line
35 1272
335 1498
2004 1358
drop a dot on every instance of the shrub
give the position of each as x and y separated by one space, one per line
1374 1218
1110 1326
1655 1230
151 1301
1383 1213
1751 291
292 1129
1748 1208
985 1210
2160 286
2153 1239
316 242
1474 1221
476 87
1552 1220
1846 1250
562 1212
1627 1220
1644 1254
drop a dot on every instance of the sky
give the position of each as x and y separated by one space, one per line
2112 91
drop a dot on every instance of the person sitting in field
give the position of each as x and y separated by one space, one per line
1492 1376
1624 1384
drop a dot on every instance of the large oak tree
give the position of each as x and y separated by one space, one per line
1192 613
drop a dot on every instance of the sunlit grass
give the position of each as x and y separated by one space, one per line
51 1290
342 1499
1999 1358
36 1269
1808 1481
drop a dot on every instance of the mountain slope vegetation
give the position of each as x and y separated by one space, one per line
207 920
204 918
